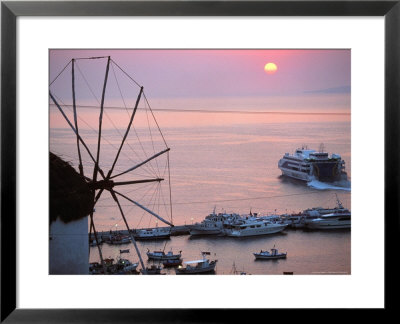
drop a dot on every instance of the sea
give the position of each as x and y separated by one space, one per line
222 161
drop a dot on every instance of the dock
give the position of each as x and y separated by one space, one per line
175 231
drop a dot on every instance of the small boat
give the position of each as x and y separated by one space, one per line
152 233
161 255
124 251
124 266
95 268
172 263
202 266
152 270
118 239
274 254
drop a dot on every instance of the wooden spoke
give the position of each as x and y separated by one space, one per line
129 231
142 163
126 132
144 208
72 127
96 166
76 118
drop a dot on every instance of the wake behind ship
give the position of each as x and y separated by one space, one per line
310 165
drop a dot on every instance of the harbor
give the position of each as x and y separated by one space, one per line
233 238
308 252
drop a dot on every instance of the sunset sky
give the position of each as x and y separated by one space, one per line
305 80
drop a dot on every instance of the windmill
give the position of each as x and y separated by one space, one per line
103 176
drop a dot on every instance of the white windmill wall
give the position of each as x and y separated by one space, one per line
69 247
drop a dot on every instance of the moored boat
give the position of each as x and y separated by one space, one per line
172 263
202 266
152 270
273 255
119 239
340 219
124 266
161 255
213 224
253 226
152 233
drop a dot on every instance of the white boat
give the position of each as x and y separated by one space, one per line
161 255
310 165
201 266
153 233
206 227
337 220
253 226
213 224
302 219
273 255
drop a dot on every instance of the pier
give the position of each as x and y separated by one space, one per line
175 231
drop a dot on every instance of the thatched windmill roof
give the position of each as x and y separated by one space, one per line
70 195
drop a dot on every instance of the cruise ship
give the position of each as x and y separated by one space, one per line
310 165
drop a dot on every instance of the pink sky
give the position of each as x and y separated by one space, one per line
220 73
306 81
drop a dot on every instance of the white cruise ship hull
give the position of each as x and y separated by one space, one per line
328 225
245 232
205 228
205 231
296 174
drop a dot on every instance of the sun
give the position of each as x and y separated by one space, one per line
270 68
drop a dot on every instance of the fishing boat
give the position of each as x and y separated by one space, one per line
202 266
273 255
161 255
310 165
172 263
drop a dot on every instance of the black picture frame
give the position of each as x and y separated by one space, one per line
11 10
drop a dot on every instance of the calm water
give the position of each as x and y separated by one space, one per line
228 162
